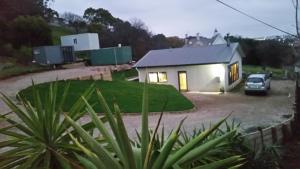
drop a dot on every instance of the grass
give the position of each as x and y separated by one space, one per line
276 72
123 75
9 68
58 31
128 95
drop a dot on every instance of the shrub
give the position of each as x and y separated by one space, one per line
119 152
30 31
38 137
24 55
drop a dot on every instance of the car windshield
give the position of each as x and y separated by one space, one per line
255 80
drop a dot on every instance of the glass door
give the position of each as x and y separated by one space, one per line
182 81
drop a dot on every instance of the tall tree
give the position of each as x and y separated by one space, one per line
99 16
11 9
74 20
159 41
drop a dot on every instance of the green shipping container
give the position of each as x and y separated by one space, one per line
111 56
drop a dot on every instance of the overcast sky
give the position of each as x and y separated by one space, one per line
178 17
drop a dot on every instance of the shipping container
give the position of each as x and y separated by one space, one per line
111 56
53 55
81 42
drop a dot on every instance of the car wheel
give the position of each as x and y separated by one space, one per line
246 93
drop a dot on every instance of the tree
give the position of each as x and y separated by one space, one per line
175 42
75 21
29 31
99 16
159 41
11 9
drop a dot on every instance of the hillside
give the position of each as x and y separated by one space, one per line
58 31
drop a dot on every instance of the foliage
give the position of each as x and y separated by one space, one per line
75 21
11 9
99 16
124 154
276 72
274 53
122 75
24 55
175 42
159 41
58 31
127 94
38 137
30 31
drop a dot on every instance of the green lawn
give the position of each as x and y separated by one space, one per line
128 95
123 75
277 72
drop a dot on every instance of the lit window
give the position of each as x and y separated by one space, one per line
162 77
155 77
233 73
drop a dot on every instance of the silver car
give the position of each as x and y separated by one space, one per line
258 83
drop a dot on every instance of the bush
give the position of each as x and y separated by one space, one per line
24 55
30 31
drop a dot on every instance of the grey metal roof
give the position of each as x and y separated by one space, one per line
220 53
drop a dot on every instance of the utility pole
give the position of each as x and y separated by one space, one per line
296 10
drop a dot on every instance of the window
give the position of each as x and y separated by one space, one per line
75 41
162 77
233 72
155 77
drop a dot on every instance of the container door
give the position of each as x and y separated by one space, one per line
68 54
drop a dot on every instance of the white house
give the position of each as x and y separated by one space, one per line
81 42
196 41
211 68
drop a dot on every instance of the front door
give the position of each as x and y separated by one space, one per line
182 81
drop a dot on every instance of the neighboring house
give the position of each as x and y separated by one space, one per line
196 41
211 68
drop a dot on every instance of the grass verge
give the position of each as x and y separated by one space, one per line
128 95
276 72
16 69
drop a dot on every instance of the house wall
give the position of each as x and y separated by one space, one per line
236 58
204 78
81 42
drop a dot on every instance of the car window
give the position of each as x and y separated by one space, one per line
255 80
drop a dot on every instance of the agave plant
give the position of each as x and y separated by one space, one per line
37 134
126 154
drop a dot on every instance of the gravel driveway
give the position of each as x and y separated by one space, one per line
250 111
11 86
